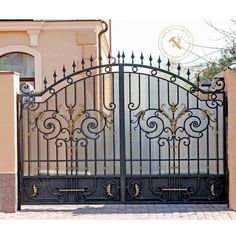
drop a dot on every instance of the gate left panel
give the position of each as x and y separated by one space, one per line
68 141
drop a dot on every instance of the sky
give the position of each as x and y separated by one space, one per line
143 34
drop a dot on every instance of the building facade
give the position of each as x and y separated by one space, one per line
36 48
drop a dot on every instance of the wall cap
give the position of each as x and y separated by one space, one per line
9 73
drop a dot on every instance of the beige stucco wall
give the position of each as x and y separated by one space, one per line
230 78
58 42
8 123
8 141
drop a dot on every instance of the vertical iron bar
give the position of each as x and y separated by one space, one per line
76 144
28 142
122 132
149 140
38 156
140 151
225 157
94 105
104 131
217 141
158 106
57 166
130 128
198 146
113 129
207 132
85 148
47 141
20 147
189 137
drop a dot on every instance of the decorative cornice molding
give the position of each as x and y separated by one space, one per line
42 25
33 34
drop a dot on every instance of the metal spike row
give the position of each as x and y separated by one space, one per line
82 62
54 76
118 56
64 71
150 59
109 58
91 61
159 62
74 66
123 57
198 80
188 73
45 82
168 65
178 68
141 57
132 57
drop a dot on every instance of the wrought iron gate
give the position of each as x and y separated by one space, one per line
123 133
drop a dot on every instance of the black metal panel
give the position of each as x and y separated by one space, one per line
122 133
70 190
177 189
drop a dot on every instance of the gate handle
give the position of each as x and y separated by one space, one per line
174 189
72 190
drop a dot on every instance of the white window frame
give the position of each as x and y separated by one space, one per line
37 60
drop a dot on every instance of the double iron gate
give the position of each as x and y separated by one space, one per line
123 133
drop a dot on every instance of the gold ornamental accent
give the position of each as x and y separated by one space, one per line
72 190
40 115
206 113
212 188
140 114
70 119
34 191
174 120
109 190
137 190
175 189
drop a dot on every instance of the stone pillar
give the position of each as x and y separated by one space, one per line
230 79
9 87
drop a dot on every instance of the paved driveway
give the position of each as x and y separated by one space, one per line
130 212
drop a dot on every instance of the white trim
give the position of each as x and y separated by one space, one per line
44 25
31 51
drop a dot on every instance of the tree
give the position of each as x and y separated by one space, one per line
209 69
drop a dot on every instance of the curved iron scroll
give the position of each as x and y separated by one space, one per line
71 123
193 122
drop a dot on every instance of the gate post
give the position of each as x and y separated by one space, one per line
122 132
8 141
230 79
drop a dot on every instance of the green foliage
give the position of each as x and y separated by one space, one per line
227 56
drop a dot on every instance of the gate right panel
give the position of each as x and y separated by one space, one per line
174 139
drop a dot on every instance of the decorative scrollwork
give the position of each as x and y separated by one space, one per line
134 188
109 190
34 191
214 187
218 85
137 190
87 122
111 187
26 88
193 121
32 187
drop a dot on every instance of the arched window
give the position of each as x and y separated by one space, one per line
19 62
